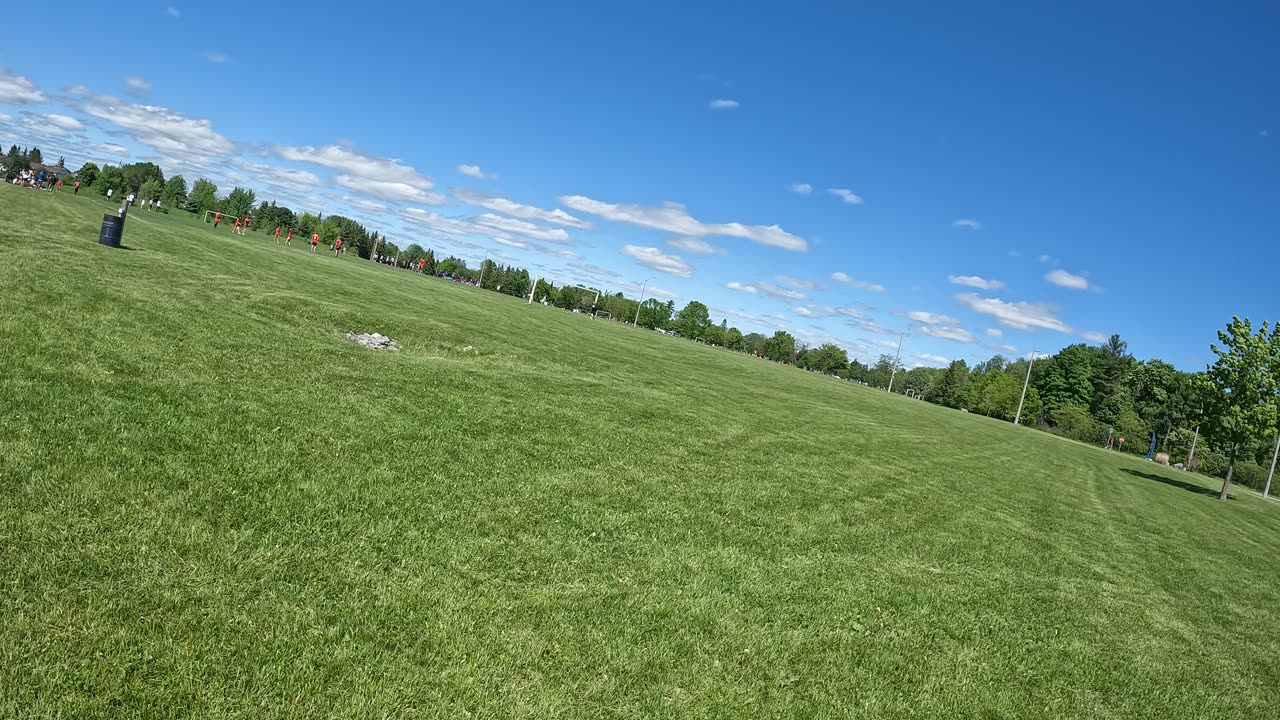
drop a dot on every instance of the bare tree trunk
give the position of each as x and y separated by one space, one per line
1231 468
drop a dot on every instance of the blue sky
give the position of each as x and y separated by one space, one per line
986 177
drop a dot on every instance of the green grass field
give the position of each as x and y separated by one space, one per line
215 507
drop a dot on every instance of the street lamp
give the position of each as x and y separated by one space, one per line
896 359
1018 416
480 282
636 322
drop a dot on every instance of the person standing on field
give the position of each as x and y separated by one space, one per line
217 218
315 240
76 189
236 230
337 247
277 234
289 237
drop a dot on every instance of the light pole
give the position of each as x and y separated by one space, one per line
636 322
1266 489
1017 418
896 358
480 282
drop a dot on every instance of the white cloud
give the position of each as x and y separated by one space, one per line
697 246
929 318
1019 315
801 188
780 293
655 259
855 314
358 203
5 117
515 209
947 333
995 332
1047 258
886 344
1062 278
1006 349
439 224
352 163
847 196
554 251
797 283
872 327
649 290
172 12
975 281
472 171
721 104
216 57
971 224
851 282
673 218
740 287
813 311
932 359
388 190
17 90
167 131
289 178
509 242
1092 336
520 227
137 83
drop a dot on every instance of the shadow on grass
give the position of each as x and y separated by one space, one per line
1174 482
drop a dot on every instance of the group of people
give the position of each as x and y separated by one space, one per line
40 180
242 225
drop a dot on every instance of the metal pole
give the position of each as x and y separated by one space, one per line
897 357
480 282
636 322
1017 418
534 291
1274 454
1191 455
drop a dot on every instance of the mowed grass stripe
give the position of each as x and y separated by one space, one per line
216 507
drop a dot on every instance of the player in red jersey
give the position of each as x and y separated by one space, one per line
288 238
315 238
277 234
217 218
337 247
236 230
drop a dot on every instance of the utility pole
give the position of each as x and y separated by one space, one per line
1274 454
896 358
1191 455
480 282
636 322
1017 418
534 291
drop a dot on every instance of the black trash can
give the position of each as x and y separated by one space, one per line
112 231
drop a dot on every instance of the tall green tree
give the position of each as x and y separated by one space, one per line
238 203
87 174
110 179
175 192
1243 405
150 189
781 347
654 314
204 196
137 174
953 388
35 156
826 358
693 320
